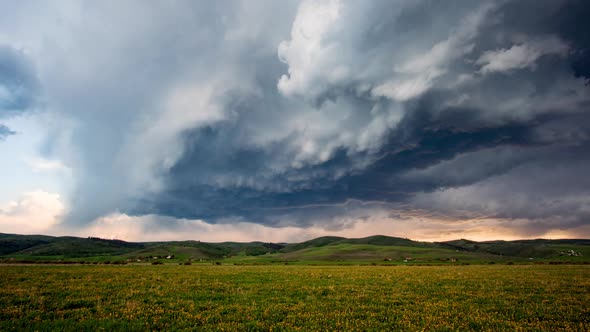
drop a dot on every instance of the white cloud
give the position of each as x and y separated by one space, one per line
40 164
323 53
403 90
415 76
33 212
521 56
309 53
186 106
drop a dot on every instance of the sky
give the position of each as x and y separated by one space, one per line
282 121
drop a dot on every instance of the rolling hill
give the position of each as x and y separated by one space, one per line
328 249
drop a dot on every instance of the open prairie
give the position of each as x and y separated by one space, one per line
285 297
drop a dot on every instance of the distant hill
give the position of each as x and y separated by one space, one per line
317 242
10 243
539 248
323 249
377 240
67 246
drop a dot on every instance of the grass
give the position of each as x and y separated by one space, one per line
346 253
365 252
279 297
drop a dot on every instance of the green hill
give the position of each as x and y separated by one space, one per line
317 242
67 246
378 240
382 240
378 248
539 248
10 243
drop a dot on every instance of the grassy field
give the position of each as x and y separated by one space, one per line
275 297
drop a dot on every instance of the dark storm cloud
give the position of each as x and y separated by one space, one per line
316 112
5 131
18 81
19 85
131 89
500 99
382 181
567 19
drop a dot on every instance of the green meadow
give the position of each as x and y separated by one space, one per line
294 297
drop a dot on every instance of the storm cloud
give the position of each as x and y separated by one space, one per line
18 81
312 113
19 86
5 131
